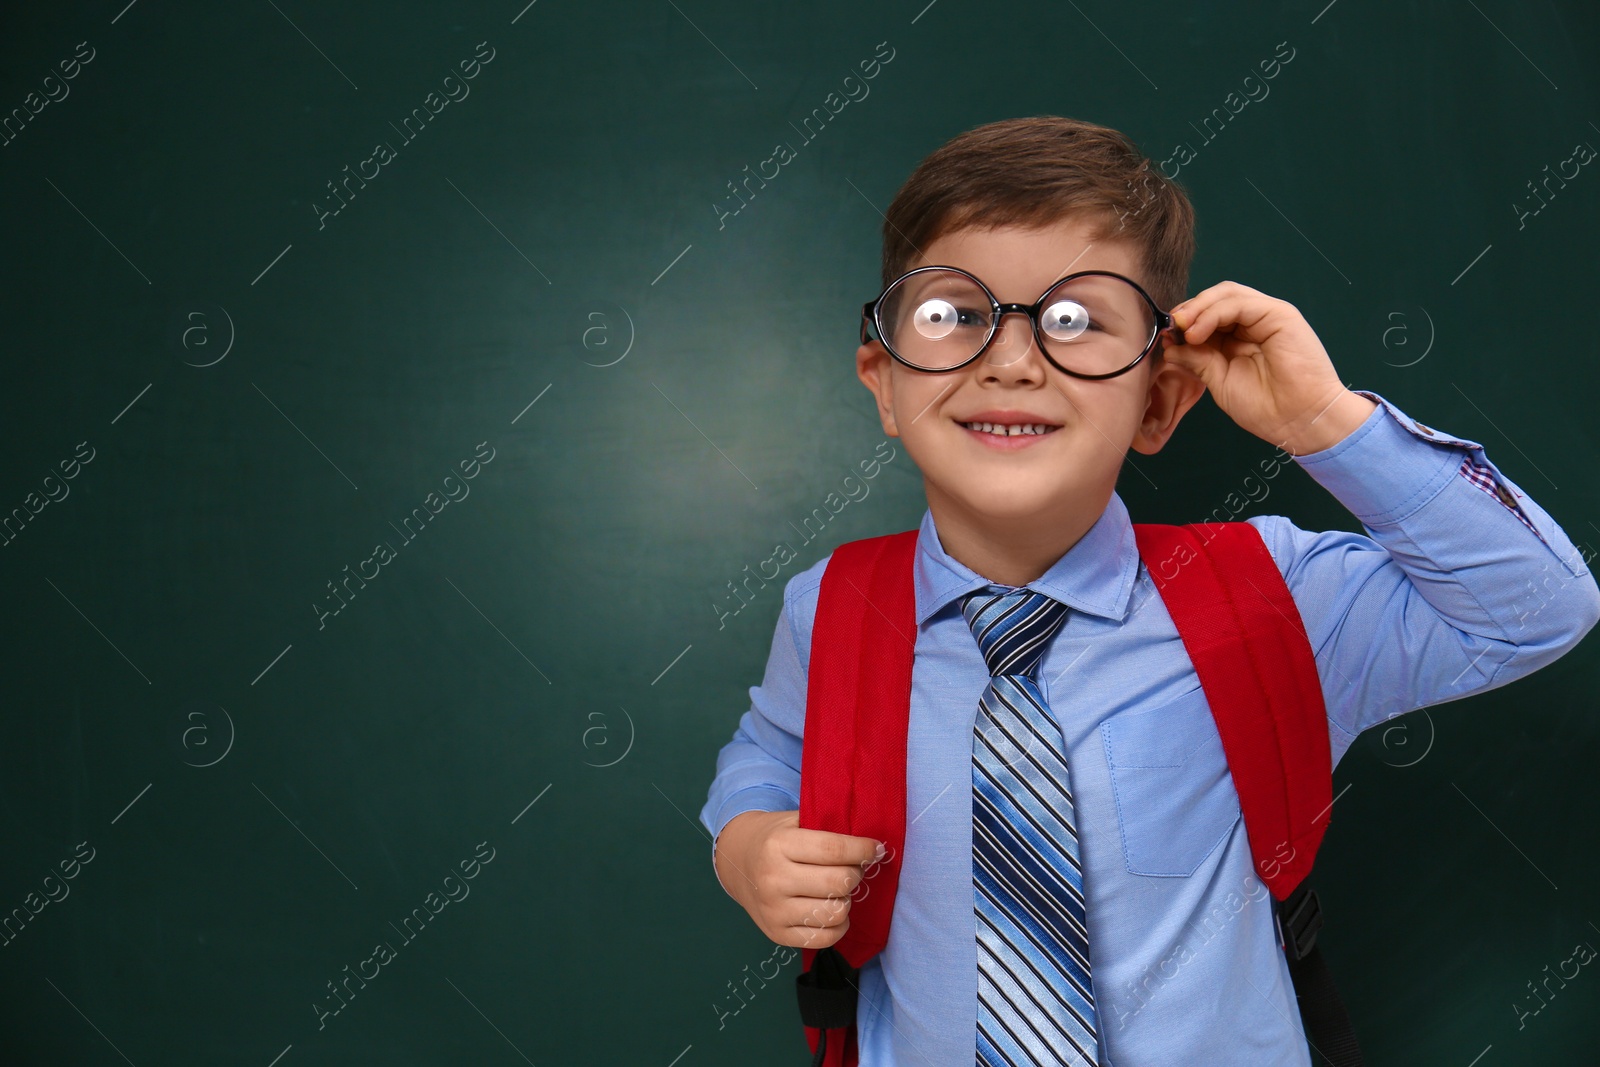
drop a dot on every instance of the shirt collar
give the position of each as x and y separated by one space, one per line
1095 575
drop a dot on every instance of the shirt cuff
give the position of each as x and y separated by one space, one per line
1388 467
751 798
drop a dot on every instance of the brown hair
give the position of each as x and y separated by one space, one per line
1036 171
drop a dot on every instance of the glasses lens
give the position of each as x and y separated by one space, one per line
935 319
1096 324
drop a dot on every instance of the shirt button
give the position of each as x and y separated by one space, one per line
1505 496
1424 429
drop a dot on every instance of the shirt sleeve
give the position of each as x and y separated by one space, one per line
759 769
1460 584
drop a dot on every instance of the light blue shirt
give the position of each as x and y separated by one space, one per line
1461 584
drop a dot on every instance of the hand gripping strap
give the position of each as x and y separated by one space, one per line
1243 632
853 760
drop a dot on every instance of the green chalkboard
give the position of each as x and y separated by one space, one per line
391 391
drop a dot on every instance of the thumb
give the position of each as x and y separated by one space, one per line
873 851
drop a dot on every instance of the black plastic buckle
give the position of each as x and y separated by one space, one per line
1300 914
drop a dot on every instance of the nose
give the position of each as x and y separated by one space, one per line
1013 341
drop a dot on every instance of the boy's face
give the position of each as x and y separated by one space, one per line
1072 469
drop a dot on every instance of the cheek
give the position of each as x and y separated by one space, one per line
916 400
1104 412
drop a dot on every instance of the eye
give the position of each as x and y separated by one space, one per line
1064 320
936 319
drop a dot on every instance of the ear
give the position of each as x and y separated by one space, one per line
875 368
1173 390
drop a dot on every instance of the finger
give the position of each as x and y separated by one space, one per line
812 937
1186 311
1203 363
815 880
830 849
813 931
1248 315
1212 293
1199 319
814 911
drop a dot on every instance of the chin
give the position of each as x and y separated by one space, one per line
1012 503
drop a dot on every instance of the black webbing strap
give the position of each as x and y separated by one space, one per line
1327 1024
827 994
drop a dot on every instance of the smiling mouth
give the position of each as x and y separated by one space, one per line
1008 430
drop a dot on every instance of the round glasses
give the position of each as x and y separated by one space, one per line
1092 324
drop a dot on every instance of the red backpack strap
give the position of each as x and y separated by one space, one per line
1243 632
853 761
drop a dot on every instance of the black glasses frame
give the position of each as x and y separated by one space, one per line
869 316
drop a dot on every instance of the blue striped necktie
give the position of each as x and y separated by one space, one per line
1035 1000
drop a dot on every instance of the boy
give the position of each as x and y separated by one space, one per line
1461 585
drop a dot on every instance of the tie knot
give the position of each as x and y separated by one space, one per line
1012 626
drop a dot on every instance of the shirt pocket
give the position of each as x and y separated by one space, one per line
1169 774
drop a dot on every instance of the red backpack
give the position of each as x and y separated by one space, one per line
1243 632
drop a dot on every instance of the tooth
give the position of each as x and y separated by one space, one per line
1035 429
